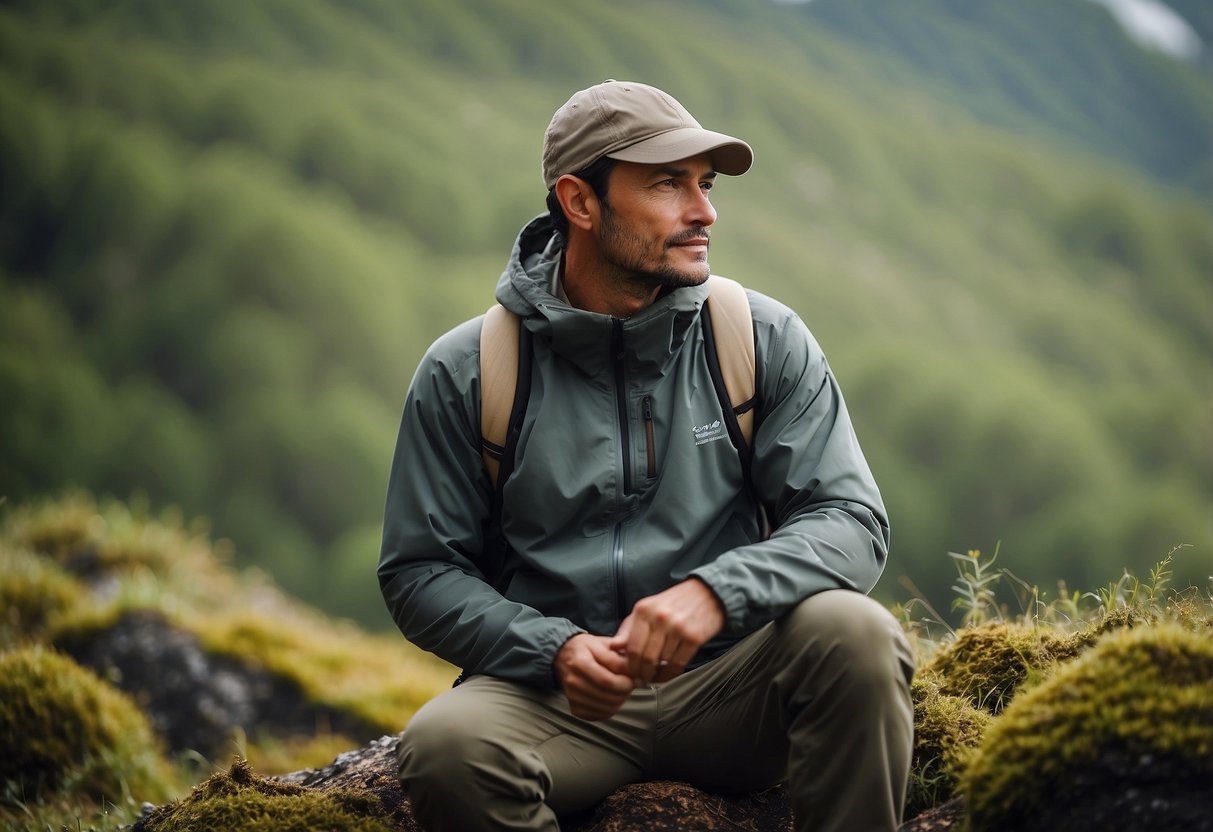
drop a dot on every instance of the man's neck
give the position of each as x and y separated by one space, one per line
589 288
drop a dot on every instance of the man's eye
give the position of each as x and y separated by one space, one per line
707 186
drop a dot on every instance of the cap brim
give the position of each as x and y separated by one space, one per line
730 156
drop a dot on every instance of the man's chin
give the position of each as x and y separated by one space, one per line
682 278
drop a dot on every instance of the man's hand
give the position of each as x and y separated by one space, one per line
595 677
666 630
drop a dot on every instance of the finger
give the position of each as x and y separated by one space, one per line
678 662
638 646
619 641
612 661
590 701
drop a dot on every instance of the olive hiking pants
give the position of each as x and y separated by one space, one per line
819 699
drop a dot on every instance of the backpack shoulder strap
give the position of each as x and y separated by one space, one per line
732 328
503 340
728 333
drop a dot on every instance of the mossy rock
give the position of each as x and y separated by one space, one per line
989 663
240 801
947 730
101 543
199 700
63 730
1120 738
33 591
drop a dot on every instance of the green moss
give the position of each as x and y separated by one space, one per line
1132 714
63 730
381 680
987 664
946 731
32 592
95 540
240 801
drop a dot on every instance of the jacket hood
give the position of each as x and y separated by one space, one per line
650 337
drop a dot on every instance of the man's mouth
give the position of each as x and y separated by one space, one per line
697 241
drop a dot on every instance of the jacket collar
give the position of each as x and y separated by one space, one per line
651 338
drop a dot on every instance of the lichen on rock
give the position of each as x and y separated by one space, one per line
1119 738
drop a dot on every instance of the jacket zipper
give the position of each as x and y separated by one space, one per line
647 407
617 356
621 598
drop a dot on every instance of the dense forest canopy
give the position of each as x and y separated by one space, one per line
229 230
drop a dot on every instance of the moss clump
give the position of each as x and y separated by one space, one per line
947 729
32 592
988 663
380 680
240 801
63 730
111 541
1123 735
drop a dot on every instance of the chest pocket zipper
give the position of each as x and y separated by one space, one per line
651 446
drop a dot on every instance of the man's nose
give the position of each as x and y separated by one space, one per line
701 212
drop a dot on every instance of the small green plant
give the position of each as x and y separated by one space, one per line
975 587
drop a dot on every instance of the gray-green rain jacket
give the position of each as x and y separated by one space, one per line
626 481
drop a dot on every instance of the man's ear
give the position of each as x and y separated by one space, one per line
578 201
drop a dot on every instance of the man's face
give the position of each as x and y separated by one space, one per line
655 221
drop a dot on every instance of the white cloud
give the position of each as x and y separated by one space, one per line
1154 25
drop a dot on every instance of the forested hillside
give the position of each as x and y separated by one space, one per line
229 230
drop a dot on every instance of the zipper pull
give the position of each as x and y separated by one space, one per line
647 410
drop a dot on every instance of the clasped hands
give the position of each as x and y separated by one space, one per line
654 644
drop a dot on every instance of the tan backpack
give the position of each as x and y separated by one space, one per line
505 369
505 387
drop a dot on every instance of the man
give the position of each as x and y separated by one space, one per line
641 627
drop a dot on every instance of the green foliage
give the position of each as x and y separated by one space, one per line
228 231
975 586
241 801
1137 709
69 736
1091 86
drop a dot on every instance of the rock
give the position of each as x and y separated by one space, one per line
198 700
659 806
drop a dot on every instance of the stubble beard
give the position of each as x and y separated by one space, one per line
626 253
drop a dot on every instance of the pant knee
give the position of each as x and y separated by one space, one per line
852 630
452 752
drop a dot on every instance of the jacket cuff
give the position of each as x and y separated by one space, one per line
552 642
732 599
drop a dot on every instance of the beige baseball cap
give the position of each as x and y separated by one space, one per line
633 123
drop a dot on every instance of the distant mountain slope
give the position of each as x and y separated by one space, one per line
229 230
1062 66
